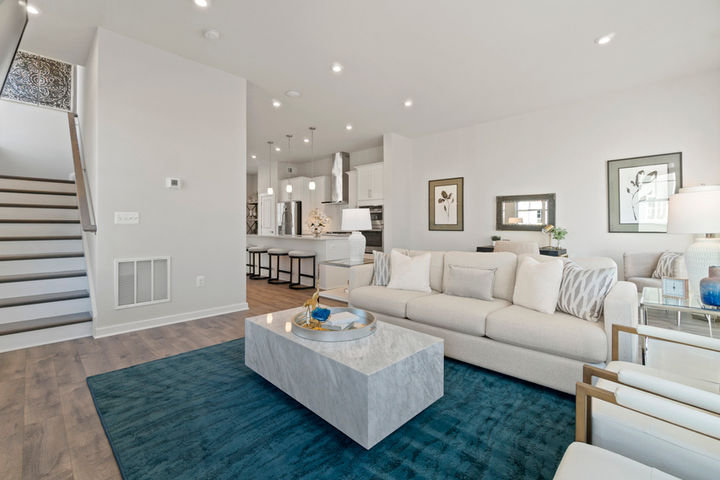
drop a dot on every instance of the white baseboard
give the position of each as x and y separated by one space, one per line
16 341
167 320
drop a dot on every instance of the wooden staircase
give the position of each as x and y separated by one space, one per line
44 291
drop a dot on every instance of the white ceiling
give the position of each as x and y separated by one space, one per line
462 61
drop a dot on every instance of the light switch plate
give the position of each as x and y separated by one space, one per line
127 218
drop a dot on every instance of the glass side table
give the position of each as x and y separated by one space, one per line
653 299
341 294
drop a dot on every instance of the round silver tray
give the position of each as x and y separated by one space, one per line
366 319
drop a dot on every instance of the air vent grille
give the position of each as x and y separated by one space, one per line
142 281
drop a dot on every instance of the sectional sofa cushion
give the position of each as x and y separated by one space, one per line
437 260
410 273
470 282
383 300
557 334
460 314
505 264
537 284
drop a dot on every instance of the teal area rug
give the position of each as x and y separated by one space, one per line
204 415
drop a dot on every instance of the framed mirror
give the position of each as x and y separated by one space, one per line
525 212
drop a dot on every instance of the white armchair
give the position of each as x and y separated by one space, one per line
663 420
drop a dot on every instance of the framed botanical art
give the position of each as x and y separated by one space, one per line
445 204
638 192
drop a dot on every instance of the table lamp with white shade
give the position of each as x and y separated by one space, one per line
696 210
354 220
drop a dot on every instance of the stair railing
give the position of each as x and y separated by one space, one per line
87 214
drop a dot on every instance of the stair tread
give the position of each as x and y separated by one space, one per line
48 322
43 298
39 192
36 179
40 238
40 256
37 205
35 220
28 277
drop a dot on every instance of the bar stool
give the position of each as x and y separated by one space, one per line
256 263
301 255
248 265
277 253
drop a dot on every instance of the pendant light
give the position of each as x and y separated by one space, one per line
288 187
311 185
270 190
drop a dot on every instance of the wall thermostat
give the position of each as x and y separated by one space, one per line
174 183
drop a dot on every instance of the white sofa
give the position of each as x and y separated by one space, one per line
546 349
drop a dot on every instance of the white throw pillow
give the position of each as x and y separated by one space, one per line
537 284
470 282
410 273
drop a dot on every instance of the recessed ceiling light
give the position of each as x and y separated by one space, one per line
605 39
32 9
276 103
293 93
277 149
408 103
211 34
253 157
306 140
348 127
337 67
201 3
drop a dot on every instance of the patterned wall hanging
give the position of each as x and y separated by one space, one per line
39 81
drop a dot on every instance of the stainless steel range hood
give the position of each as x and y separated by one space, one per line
338 178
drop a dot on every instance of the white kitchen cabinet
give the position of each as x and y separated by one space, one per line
266 214
370 184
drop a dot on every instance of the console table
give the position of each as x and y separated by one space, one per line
550 252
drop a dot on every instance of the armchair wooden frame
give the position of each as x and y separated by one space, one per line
585 391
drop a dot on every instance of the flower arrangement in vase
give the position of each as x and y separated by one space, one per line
317 222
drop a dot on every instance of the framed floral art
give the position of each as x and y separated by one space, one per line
445 204
639 190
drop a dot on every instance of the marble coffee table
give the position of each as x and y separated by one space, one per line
366 388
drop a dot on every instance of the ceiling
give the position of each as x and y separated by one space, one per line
462 62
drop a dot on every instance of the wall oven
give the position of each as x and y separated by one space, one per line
374 237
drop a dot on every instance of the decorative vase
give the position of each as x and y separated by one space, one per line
317 231
710 287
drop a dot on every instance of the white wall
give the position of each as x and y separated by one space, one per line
252 185
398 213
34 141
562 150
160 115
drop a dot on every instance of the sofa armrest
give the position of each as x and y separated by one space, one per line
621 308
361 275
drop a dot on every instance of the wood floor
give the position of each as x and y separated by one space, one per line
48 425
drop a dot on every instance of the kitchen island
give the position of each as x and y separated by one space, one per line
326 247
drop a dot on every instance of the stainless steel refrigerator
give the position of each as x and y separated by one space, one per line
289 218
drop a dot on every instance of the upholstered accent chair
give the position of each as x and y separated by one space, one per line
639 267
517 247
667 420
